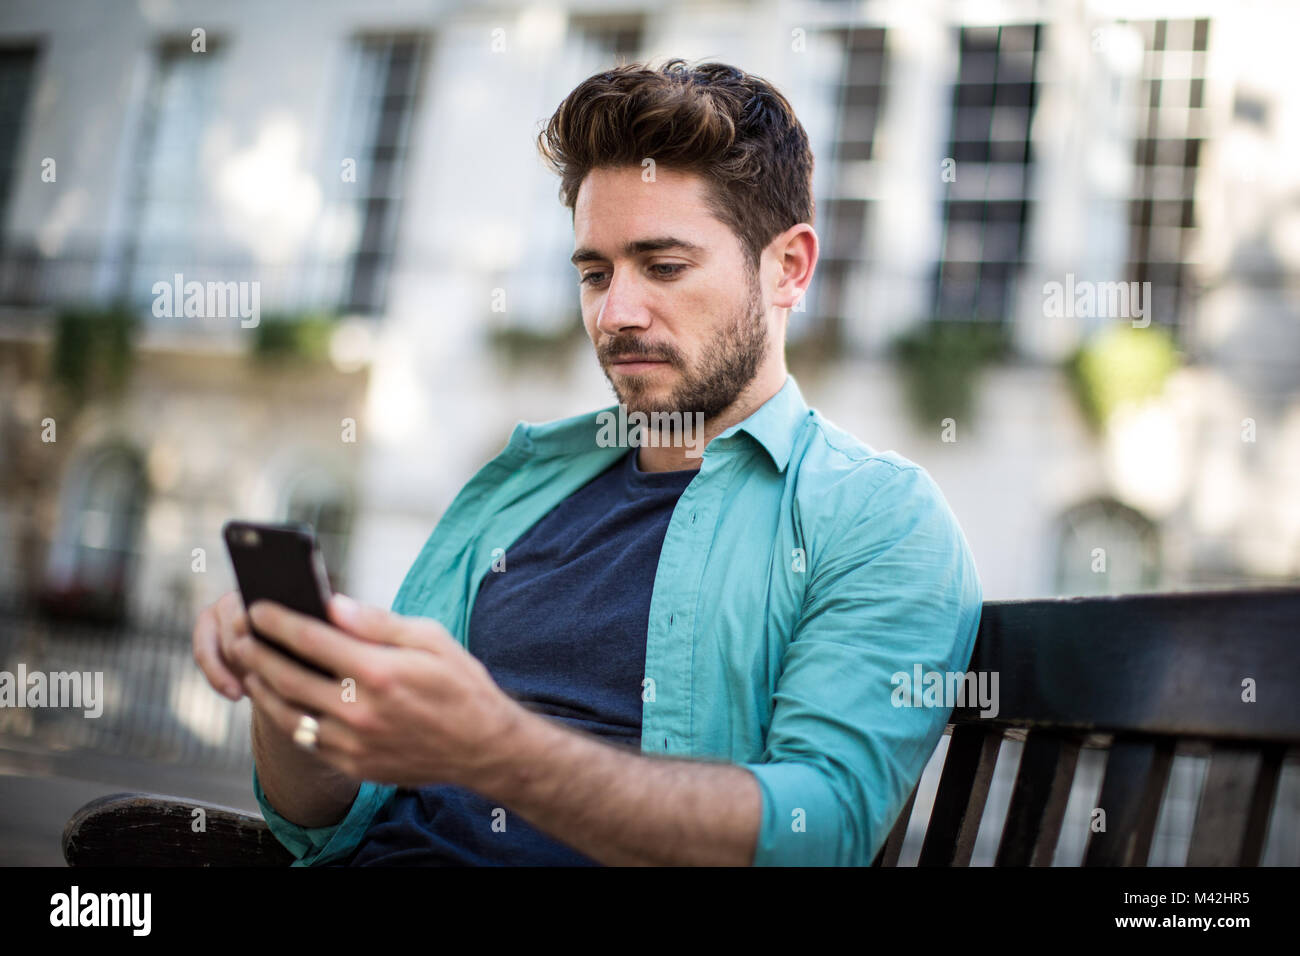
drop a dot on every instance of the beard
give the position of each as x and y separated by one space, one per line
728 363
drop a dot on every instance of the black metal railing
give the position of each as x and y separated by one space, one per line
156 704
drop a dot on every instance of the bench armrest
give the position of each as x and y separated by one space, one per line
149 829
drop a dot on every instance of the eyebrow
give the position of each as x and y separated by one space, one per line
638 246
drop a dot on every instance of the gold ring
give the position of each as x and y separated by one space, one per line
307 732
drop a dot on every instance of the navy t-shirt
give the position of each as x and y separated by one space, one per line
562 629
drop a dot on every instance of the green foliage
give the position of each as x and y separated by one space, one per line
941 361
93 350
1120 364
520 344
819 346
294 338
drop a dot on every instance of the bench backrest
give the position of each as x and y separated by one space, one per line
1144 673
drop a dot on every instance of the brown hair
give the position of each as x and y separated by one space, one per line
731 127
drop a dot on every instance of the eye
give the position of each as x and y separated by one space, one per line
662 270
675 267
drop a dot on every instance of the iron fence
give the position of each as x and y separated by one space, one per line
156 703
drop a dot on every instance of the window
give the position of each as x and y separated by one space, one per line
986 208
844 213
381 88
542 285
1106 547
167 186
99 526
1162 215
17 67
608 38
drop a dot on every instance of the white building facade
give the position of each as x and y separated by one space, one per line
377 162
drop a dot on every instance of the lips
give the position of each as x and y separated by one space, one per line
636 366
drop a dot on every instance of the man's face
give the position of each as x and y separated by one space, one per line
668 297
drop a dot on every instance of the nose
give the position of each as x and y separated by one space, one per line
623 306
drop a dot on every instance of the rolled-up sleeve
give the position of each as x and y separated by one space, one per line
894 586
314 846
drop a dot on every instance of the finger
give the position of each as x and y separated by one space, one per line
309 638
230 609
207 656
232 623
332 737
291 681
384 627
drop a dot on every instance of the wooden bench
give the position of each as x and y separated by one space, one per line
1142 675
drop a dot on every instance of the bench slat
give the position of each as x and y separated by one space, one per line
888 855
1232 818
1137 771
1038 799
963 791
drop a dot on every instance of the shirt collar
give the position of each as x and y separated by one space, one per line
774 425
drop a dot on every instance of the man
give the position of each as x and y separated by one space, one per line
672 658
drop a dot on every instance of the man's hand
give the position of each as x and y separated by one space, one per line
426 711
216 633
300 786
420 709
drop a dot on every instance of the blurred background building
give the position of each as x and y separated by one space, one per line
369 171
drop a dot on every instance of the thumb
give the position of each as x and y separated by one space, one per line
379 626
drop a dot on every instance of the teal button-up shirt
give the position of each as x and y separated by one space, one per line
800 572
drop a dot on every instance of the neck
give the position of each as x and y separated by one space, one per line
673 456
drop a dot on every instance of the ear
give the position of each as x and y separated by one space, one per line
796 252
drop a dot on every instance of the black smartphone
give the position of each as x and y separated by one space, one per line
280 563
